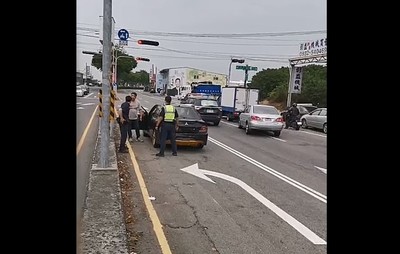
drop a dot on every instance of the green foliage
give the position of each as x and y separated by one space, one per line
273 85
125 63
267 80
140 77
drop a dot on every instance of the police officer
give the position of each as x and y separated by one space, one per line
169 123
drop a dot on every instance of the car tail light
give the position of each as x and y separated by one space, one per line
255 118
235 113
279 119
203 129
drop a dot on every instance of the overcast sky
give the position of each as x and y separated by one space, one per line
147 19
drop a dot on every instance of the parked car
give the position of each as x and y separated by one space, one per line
316 119
79 91
208 108
193 131
261 117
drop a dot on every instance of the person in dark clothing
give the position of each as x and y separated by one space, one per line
169 123
292 114
124 124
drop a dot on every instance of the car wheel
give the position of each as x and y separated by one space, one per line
277 133
325 128
154 139
228 117
201 146
239 125
216 123
304 123
247 128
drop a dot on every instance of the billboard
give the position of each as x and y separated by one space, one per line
297 75
313 48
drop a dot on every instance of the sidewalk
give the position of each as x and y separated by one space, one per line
103 229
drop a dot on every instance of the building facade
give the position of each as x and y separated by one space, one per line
180 81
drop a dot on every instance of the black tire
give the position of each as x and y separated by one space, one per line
200 146
229 118
277 133
304 124
239 125
154 139
325 128
297 127
216 123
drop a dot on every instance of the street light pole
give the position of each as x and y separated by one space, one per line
106 67
233 60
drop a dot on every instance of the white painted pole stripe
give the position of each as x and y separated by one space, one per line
306 232
322 169
281 176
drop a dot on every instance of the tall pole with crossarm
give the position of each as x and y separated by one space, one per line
104 161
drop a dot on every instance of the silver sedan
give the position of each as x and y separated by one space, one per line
316 119
261 117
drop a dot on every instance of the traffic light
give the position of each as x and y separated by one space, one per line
142 59
147 42
237 60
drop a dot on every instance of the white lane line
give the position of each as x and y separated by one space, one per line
281 176
319 135
231 124
146 101
88 95
80 108
322 169
279 139
78 103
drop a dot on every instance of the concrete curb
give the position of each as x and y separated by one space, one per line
103 226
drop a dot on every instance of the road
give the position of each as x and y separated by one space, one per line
86 133
240 193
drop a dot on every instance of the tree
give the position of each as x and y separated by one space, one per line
125 64
267 80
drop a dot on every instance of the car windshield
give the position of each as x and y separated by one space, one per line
265 110
208 103
188 113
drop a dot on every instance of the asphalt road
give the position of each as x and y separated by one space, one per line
86 134
240 193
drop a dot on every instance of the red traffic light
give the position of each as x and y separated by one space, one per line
142 59
147 42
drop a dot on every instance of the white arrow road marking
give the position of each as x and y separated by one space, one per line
88 104
281 176
322 169
306 232
80 108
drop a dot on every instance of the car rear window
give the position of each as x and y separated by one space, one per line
188 113
208 103
265 110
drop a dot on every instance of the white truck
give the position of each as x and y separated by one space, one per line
233 101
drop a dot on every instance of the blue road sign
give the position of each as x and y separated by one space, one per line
123 34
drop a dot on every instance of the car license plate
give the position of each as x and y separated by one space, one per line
210 111
267 119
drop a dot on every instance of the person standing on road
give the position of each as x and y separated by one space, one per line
124 124
169 124
135 115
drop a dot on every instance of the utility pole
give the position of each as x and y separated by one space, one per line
106 67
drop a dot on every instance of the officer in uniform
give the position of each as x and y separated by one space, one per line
169 124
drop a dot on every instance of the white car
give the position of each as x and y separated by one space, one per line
317 118
261 117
